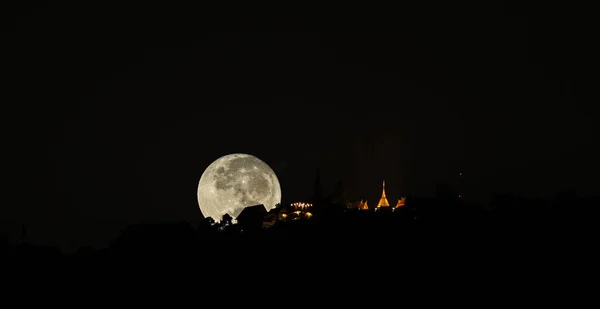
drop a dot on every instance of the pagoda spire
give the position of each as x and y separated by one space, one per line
383 202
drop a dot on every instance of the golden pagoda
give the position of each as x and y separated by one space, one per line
383 202
401 202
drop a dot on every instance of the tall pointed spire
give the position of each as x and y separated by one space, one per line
318 193
383 202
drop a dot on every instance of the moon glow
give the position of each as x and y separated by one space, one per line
234 182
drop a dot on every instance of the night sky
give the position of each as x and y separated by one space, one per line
114 112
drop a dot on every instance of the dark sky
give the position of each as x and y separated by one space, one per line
114 112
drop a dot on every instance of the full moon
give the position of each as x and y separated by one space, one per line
234 182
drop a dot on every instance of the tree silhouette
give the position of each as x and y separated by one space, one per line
226 220
210 221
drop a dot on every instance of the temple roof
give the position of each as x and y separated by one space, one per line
252 212
401 202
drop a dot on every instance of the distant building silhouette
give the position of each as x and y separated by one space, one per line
460 186
338 197
318 189
273 216
251 218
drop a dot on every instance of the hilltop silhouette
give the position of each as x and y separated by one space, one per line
346 234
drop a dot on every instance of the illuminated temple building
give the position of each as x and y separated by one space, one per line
401 202
383 203
296 211
360 205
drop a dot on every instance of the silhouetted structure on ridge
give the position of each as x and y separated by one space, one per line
251 218
272 216
23 238
318 189
460 186
338 196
